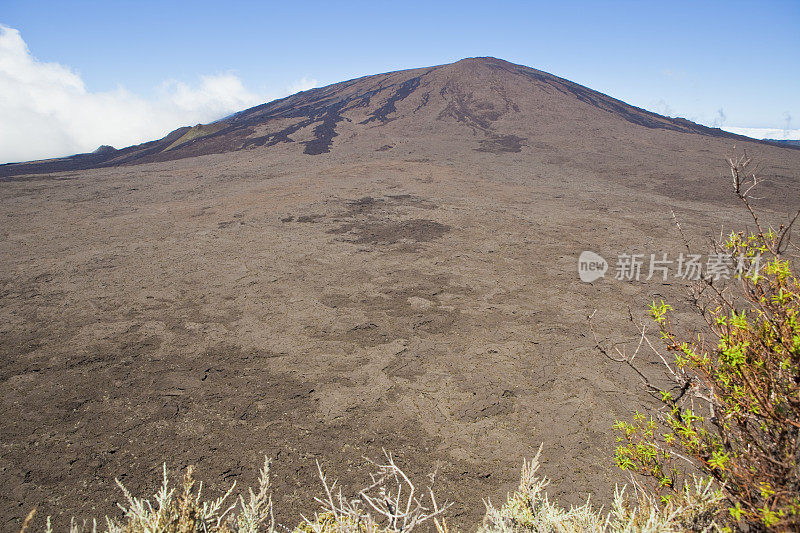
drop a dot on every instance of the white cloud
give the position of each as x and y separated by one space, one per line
719 119
302 85
47 111
661 107
766 133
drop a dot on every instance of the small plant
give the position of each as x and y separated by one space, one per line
390 504
185 511
529 510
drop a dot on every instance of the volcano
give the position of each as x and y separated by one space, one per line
387 263
499 106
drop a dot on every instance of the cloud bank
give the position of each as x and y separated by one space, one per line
766 133
47 111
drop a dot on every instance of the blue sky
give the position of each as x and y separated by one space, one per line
731 64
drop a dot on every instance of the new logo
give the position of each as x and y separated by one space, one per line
591 266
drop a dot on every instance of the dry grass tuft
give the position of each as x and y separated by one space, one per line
529 510
390 504
186 512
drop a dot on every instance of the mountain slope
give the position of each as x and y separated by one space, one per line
503 105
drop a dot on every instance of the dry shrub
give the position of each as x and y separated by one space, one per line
529 510
186 512
391 503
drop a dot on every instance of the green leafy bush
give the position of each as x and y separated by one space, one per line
732 411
